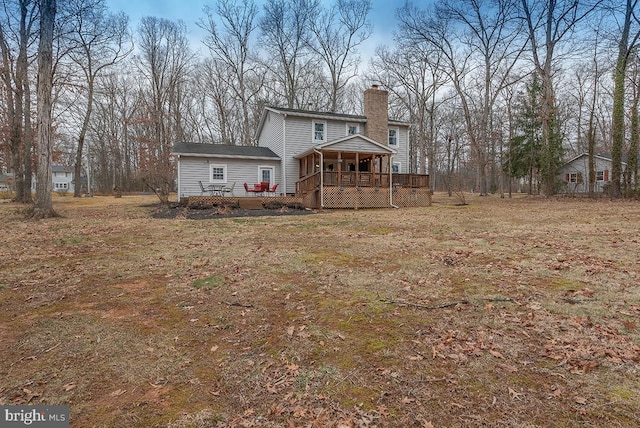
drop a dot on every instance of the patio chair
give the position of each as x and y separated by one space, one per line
203 189
229 189
257 188
273 189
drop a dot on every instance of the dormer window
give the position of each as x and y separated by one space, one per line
393 137
319 130
352 129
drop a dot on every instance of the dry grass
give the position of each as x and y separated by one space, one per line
514 313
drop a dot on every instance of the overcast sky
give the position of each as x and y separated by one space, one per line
382 16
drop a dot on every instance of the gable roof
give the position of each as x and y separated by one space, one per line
370 146
604 157
317 115
223 151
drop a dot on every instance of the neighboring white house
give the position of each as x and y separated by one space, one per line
62 179
330 159
575 173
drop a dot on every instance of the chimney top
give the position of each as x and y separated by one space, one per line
374 86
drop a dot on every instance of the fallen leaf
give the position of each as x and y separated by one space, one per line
69 386
291 330
118 392
214 348
407 400
496 354
581 400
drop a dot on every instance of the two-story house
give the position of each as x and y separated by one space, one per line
329 160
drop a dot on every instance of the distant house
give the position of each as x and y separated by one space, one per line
328 159
61 178
575 173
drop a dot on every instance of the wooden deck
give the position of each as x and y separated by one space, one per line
247 202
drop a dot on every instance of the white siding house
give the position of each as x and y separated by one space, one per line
327 159
221 164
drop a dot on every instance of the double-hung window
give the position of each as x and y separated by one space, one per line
319 131
393 137
395 168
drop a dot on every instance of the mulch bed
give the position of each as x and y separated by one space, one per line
207 211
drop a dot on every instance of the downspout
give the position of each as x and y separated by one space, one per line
391 182
178 181
284 154
321 178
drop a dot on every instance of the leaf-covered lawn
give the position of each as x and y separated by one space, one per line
510 313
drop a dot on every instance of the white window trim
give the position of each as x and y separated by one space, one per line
273 172
224 173
399 167
573 177
348 125
313 131
600 172
397 137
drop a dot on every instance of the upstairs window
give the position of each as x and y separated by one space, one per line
352 129
393 137
600 176
319 131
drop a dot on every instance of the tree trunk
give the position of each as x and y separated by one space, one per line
617 121
44 204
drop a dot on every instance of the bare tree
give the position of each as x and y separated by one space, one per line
99 41
164 63
231 46
337 33
480 45
285 27
548 24
16 36
413 76
44 204
626 45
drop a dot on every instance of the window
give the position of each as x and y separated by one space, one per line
265 174
352 129
61 185
600 176
395 168
217 173
319 129
393 137
574 177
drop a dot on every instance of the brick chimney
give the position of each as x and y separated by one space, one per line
376 109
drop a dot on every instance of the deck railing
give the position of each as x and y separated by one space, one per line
359 179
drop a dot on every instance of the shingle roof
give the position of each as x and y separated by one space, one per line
223 150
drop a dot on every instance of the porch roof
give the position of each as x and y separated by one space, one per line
223 151
351 143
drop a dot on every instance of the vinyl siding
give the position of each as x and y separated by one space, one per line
402 149
299 138
240 171
581 165
271 137
354 145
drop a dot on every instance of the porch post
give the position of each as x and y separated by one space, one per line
339 169
357 169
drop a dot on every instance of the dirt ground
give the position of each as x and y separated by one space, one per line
503 313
